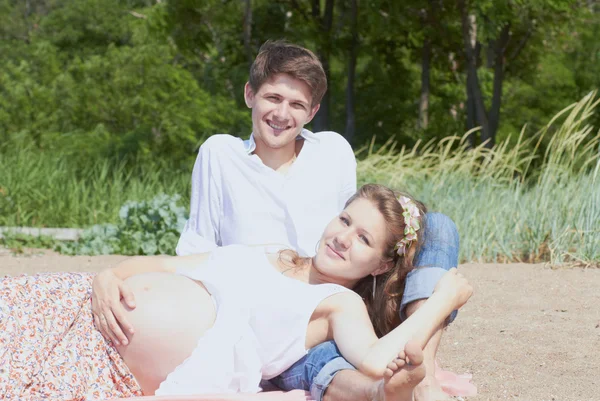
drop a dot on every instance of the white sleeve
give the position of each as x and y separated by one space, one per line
348 174
201 231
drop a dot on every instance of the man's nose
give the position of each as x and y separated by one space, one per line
282 111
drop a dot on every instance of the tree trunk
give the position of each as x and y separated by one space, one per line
350 116
425 85
248 31
500 50
321 121
469 29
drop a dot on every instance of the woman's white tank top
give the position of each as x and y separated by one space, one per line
262 316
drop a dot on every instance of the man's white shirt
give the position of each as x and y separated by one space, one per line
236 199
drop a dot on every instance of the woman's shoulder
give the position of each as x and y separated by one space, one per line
341 300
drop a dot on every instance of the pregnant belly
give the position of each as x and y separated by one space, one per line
172 313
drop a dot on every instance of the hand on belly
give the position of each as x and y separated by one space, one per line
172 313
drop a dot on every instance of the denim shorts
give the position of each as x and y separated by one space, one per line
438 254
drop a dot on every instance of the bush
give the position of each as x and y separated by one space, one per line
145 228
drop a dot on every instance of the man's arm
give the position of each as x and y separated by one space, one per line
201 231
348 173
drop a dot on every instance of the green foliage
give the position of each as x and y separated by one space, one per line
18 242
144 228
155 79
105 85
52 189
510 203
107 101
503 208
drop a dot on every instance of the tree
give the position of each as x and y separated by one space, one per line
507 28
352 57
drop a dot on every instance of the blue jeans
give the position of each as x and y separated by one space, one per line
438 254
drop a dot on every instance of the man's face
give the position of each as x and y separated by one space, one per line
280 109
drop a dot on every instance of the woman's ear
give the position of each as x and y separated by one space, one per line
384 268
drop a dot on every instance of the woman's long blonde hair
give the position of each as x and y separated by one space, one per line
384 307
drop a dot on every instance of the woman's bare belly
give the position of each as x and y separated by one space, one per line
172 313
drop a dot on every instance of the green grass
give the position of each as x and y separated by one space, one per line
504 208
44 189
536 199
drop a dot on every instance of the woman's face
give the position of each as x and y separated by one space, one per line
352 244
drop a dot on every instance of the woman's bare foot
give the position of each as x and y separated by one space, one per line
430 390
404 373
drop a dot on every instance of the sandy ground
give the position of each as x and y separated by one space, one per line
528 333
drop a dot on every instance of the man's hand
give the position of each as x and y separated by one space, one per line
456 286
109 313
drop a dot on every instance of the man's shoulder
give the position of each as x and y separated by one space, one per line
220 142
332 138
335 144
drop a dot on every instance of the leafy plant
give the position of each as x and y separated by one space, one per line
145 228
18 242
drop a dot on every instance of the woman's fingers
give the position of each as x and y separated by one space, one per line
127 295
120 312
122 324
99 327
106 330
110 315
112 327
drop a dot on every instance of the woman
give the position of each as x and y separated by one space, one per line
232 325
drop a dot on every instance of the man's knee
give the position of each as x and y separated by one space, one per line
318 364
440 243
441 228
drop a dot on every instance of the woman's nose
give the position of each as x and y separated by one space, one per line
343 239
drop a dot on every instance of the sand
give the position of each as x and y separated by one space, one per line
530 332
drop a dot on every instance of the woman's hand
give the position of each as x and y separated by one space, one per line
109 313
456 286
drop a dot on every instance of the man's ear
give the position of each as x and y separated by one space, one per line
312 113
248 95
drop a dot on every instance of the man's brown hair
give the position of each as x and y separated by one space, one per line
280 57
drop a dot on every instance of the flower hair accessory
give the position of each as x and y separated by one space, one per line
411 216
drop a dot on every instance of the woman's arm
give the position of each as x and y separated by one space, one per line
109 287
354 335
162 263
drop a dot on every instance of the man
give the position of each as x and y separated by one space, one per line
285 183
283 186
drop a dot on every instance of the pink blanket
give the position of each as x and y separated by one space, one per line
452 384
296 395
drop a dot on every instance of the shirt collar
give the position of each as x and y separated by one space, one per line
250 144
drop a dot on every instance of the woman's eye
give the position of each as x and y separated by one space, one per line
344 220
364 239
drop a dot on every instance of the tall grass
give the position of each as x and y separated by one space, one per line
534 200
506 210
48 189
